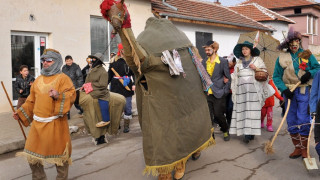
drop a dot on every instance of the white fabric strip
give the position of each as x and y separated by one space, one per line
44 120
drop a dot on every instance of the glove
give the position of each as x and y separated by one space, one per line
305 78
313 114
288 93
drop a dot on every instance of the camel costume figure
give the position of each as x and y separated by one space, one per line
173 111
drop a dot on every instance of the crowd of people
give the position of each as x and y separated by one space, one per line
237 100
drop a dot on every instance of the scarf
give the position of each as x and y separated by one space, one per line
55 68
245 63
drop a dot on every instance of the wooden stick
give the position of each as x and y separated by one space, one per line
308 146
121 80
268 145
4 88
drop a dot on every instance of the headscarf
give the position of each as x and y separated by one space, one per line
55 68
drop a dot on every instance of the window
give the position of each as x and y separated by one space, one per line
312 25
99 36
297 11
201 39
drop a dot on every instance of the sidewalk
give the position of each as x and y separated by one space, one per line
11 137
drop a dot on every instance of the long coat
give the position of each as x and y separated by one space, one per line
98 77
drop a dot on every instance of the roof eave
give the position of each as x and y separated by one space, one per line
317 5
196 20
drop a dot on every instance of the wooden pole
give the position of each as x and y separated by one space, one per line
4 88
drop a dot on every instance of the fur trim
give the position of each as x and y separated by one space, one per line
305 54
168 168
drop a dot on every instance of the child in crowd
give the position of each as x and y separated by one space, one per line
267 109
23 83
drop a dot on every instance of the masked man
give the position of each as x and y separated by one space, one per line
51 97
291 67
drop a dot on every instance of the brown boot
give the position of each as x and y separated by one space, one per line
165 176
304 144
126 123
180 169
296 142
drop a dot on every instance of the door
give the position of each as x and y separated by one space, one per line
201 39
26 49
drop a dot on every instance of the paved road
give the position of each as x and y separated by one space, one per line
122 158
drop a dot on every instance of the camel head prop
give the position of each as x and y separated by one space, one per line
116 13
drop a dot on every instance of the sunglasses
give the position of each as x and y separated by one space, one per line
46 60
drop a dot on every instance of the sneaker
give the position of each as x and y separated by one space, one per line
270 129
102 124
226 136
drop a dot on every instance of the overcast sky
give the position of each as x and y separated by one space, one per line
234 2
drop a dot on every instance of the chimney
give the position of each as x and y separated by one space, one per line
218 2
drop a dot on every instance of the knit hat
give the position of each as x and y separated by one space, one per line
237 51
291 36
213 44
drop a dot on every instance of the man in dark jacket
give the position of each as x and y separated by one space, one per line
120 77
23 84
218 70
73 70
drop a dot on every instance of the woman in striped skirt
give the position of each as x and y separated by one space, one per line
248 94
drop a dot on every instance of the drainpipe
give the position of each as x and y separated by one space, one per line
168 5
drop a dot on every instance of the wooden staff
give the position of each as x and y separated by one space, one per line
4 88
121 80
268 145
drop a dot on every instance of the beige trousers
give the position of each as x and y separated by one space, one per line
39 174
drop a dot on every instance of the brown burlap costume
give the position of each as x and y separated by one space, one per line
173 110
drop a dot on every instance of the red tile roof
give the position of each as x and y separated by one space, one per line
273 4
259 13
208 12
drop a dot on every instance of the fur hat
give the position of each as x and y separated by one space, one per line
237 51
291 36
213 44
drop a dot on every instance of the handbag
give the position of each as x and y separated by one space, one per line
261 74
87 87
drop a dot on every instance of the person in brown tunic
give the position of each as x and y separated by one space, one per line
51 97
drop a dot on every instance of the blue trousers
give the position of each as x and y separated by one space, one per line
104 108
298 113
128 107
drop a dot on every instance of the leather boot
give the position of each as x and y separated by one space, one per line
165 176
180 169
297 143
126 123
304 144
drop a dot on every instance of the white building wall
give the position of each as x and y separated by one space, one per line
281 29
67 23
227 38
